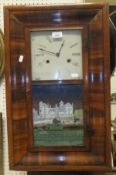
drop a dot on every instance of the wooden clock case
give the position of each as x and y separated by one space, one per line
96 152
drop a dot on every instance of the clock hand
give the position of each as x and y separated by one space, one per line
47 51
58 53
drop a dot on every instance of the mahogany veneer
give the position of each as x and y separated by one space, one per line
19 21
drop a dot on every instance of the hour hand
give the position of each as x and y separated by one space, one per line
47 51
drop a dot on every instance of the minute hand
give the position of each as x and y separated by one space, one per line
58 53
47 51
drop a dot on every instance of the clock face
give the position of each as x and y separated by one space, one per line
56 55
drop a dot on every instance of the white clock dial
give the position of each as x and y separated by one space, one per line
56 55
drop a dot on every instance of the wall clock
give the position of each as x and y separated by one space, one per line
57 86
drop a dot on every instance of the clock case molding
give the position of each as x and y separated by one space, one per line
93 19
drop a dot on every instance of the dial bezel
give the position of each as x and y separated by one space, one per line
84 56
